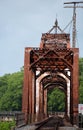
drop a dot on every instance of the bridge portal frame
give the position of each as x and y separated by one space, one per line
49 59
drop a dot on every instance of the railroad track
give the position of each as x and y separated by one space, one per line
53 123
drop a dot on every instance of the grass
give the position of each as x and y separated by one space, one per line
6 125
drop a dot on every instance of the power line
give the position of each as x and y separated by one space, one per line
67 25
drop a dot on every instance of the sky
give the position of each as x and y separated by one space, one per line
22 23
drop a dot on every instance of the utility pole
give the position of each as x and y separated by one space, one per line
74 20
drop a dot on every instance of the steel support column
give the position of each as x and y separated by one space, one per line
37 99
75 84
45 102
27 71
41 112
33 97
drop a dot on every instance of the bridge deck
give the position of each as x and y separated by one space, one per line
51 123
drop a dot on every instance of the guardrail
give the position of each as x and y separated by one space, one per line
18 117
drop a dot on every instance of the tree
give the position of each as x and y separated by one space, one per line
81 80
56 100
11 91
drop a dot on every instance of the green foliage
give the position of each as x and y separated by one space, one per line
81 67
56 100
11 91
81 80
6 125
